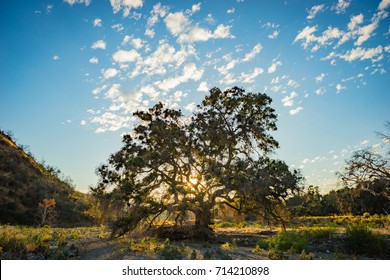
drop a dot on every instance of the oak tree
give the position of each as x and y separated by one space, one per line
181 168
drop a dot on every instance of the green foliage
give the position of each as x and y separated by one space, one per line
305 256
257 250
361 240
317 233
263 244
216 254
275 254
170 252
144 245
195 165
193 255
230 246
289 241
37 243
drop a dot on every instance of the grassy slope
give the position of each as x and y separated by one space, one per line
25 182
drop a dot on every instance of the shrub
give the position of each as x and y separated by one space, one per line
318 233
170 252
258 250
263 244
275 254
144 245
289 241
361 240
216 254
305 256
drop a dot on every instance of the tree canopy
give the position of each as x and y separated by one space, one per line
181 168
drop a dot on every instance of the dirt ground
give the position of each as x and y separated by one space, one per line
229 243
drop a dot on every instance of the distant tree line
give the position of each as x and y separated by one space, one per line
366 187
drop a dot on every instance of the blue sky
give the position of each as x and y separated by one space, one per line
72 73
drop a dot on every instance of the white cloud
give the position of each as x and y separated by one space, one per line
278 79
110 122
250 77
329 56
100 44
203 87
330 33
365 33
320 77
339 88
274 66
126 5
296 110
223 31
341 6
97 22
71 2
355 21
276 88
126 40
196 34
176 23
314 10
179 26
195 8
273 35
320 91
362 53
315 48
199 34
109 73
243 78
122 56
150 33
157 12
292 83
49 7
83 122
252 54
119 27
114 92
99 89
56 57
233 62
137 43
230 11
270 25
190 72
166 56
288 101
384 4
307 35
94 60
190 107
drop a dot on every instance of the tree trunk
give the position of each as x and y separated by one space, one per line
202 230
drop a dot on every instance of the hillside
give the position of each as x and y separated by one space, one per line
24 183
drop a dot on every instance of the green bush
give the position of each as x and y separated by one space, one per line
275 254
318 233
289 241
263 244
361 240
170 252
143 245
